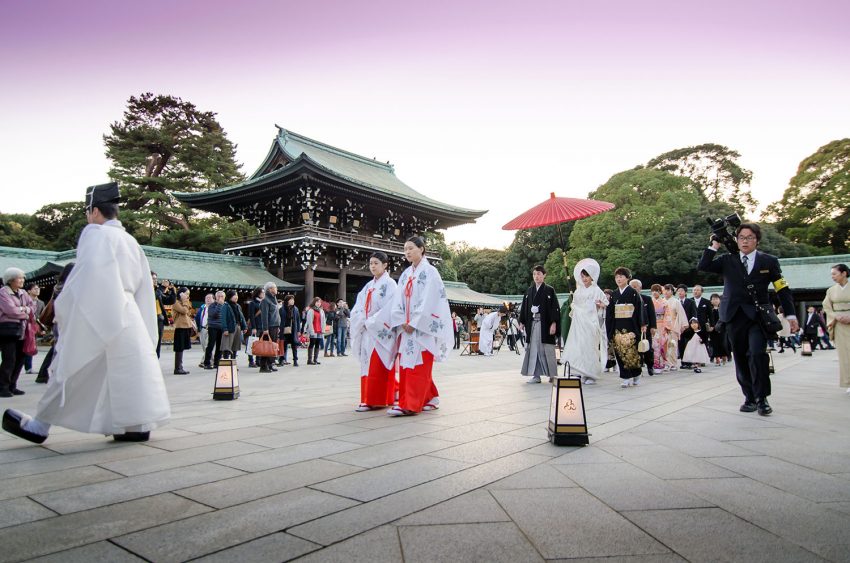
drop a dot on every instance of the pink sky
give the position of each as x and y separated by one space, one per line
486 104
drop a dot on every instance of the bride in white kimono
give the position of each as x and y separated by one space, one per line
587 345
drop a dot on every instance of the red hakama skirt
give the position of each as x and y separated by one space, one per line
416 386
378 387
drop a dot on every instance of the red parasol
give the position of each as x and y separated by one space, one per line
557 210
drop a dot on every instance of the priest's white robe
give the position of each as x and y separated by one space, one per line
105 377
486 331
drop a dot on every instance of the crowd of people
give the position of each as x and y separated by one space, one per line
397 330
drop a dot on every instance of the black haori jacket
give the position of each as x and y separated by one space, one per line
550 312
633 323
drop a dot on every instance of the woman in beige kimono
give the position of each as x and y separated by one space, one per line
675 321
836 305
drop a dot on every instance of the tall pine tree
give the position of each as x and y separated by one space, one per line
161 146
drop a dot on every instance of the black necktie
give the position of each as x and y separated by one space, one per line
746 261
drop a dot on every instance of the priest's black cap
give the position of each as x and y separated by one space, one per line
102 193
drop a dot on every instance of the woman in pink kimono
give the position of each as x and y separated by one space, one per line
675 321
659 341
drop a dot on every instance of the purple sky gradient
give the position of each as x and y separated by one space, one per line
475 102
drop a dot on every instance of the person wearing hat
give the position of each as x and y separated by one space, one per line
106 378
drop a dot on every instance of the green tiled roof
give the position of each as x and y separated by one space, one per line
182 267
376 178
460 294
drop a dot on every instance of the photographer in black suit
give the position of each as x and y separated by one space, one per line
739 313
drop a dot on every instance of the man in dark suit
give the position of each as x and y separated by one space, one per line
748 267
701 306
813 322
651 324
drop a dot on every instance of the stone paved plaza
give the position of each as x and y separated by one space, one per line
673 473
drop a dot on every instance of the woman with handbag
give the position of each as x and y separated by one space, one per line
314 326
16 310
184 325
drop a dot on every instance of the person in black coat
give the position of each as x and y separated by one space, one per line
540 317
749 267
270 319
813 322
255 319
624 321
651 323
164 294
716 332
290 321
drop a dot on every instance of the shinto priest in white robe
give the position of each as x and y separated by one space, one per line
486 331
105 377
365 327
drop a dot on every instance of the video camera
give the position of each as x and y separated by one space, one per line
723 230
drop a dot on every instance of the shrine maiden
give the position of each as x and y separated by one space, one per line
420 315
377 357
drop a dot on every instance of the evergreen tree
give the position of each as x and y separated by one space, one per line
161 146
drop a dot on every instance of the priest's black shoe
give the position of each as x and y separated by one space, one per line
132 437
748 407
763 408
12 425
17 392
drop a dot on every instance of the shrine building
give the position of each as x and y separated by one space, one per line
321 211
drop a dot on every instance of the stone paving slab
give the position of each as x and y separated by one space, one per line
17 487
390 452
100 552
291 471
380 545
565 523
253 486
796 519
789 477
623 486
20 510
470 508
710 535
377 482
80 528
495 542
120 490
200 535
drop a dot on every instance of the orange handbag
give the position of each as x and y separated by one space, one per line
264 347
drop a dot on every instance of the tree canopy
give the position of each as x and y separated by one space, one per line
161 146
815 208
714 170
